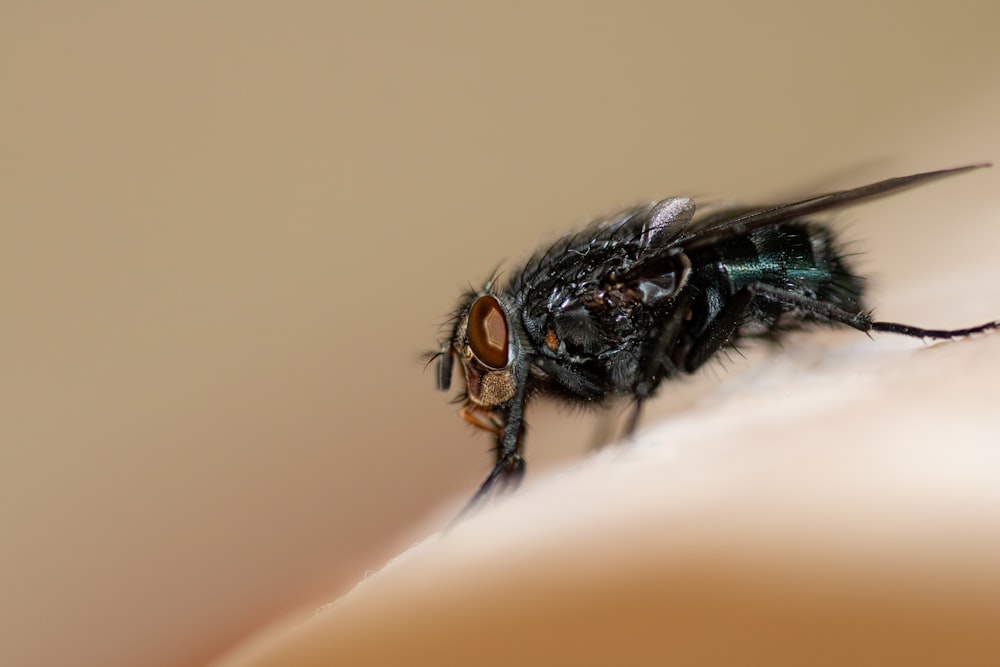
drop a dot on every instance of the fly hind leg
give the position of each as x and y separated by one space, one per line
863 321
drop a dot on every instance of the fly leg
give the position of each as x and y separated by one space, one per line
509 467
863 321
471 414
657 359
508 471
719 332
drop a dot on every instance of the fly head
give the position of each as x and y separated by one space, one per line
485 345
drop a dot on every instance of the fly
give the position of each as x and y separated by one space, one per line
649 294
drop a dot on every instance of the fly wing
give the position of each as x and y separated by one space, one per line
724 225
645 227
658 268
655 234
666 219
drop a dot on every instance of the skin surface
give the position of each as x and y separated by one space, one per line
837 504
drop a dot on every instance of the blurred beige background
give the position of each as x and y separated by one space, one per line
228 231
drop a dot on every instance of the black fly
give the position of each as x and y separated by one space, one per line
648 294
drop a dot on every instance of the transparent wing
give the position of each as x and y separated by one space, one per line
722 225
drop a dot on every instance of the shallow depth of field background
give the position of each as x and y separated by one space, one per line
228 231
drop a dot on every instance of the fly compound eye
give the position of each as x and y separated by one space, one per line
487 332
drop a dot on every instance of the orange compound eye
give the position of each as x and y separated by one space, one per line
488 332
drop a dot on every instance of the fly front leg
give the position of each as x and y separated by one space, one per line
510 465
508 472
509 468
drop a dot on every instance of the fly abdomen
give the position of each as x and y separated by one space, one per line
798 257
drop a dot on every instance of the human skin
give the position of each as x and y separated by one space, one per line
839 504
